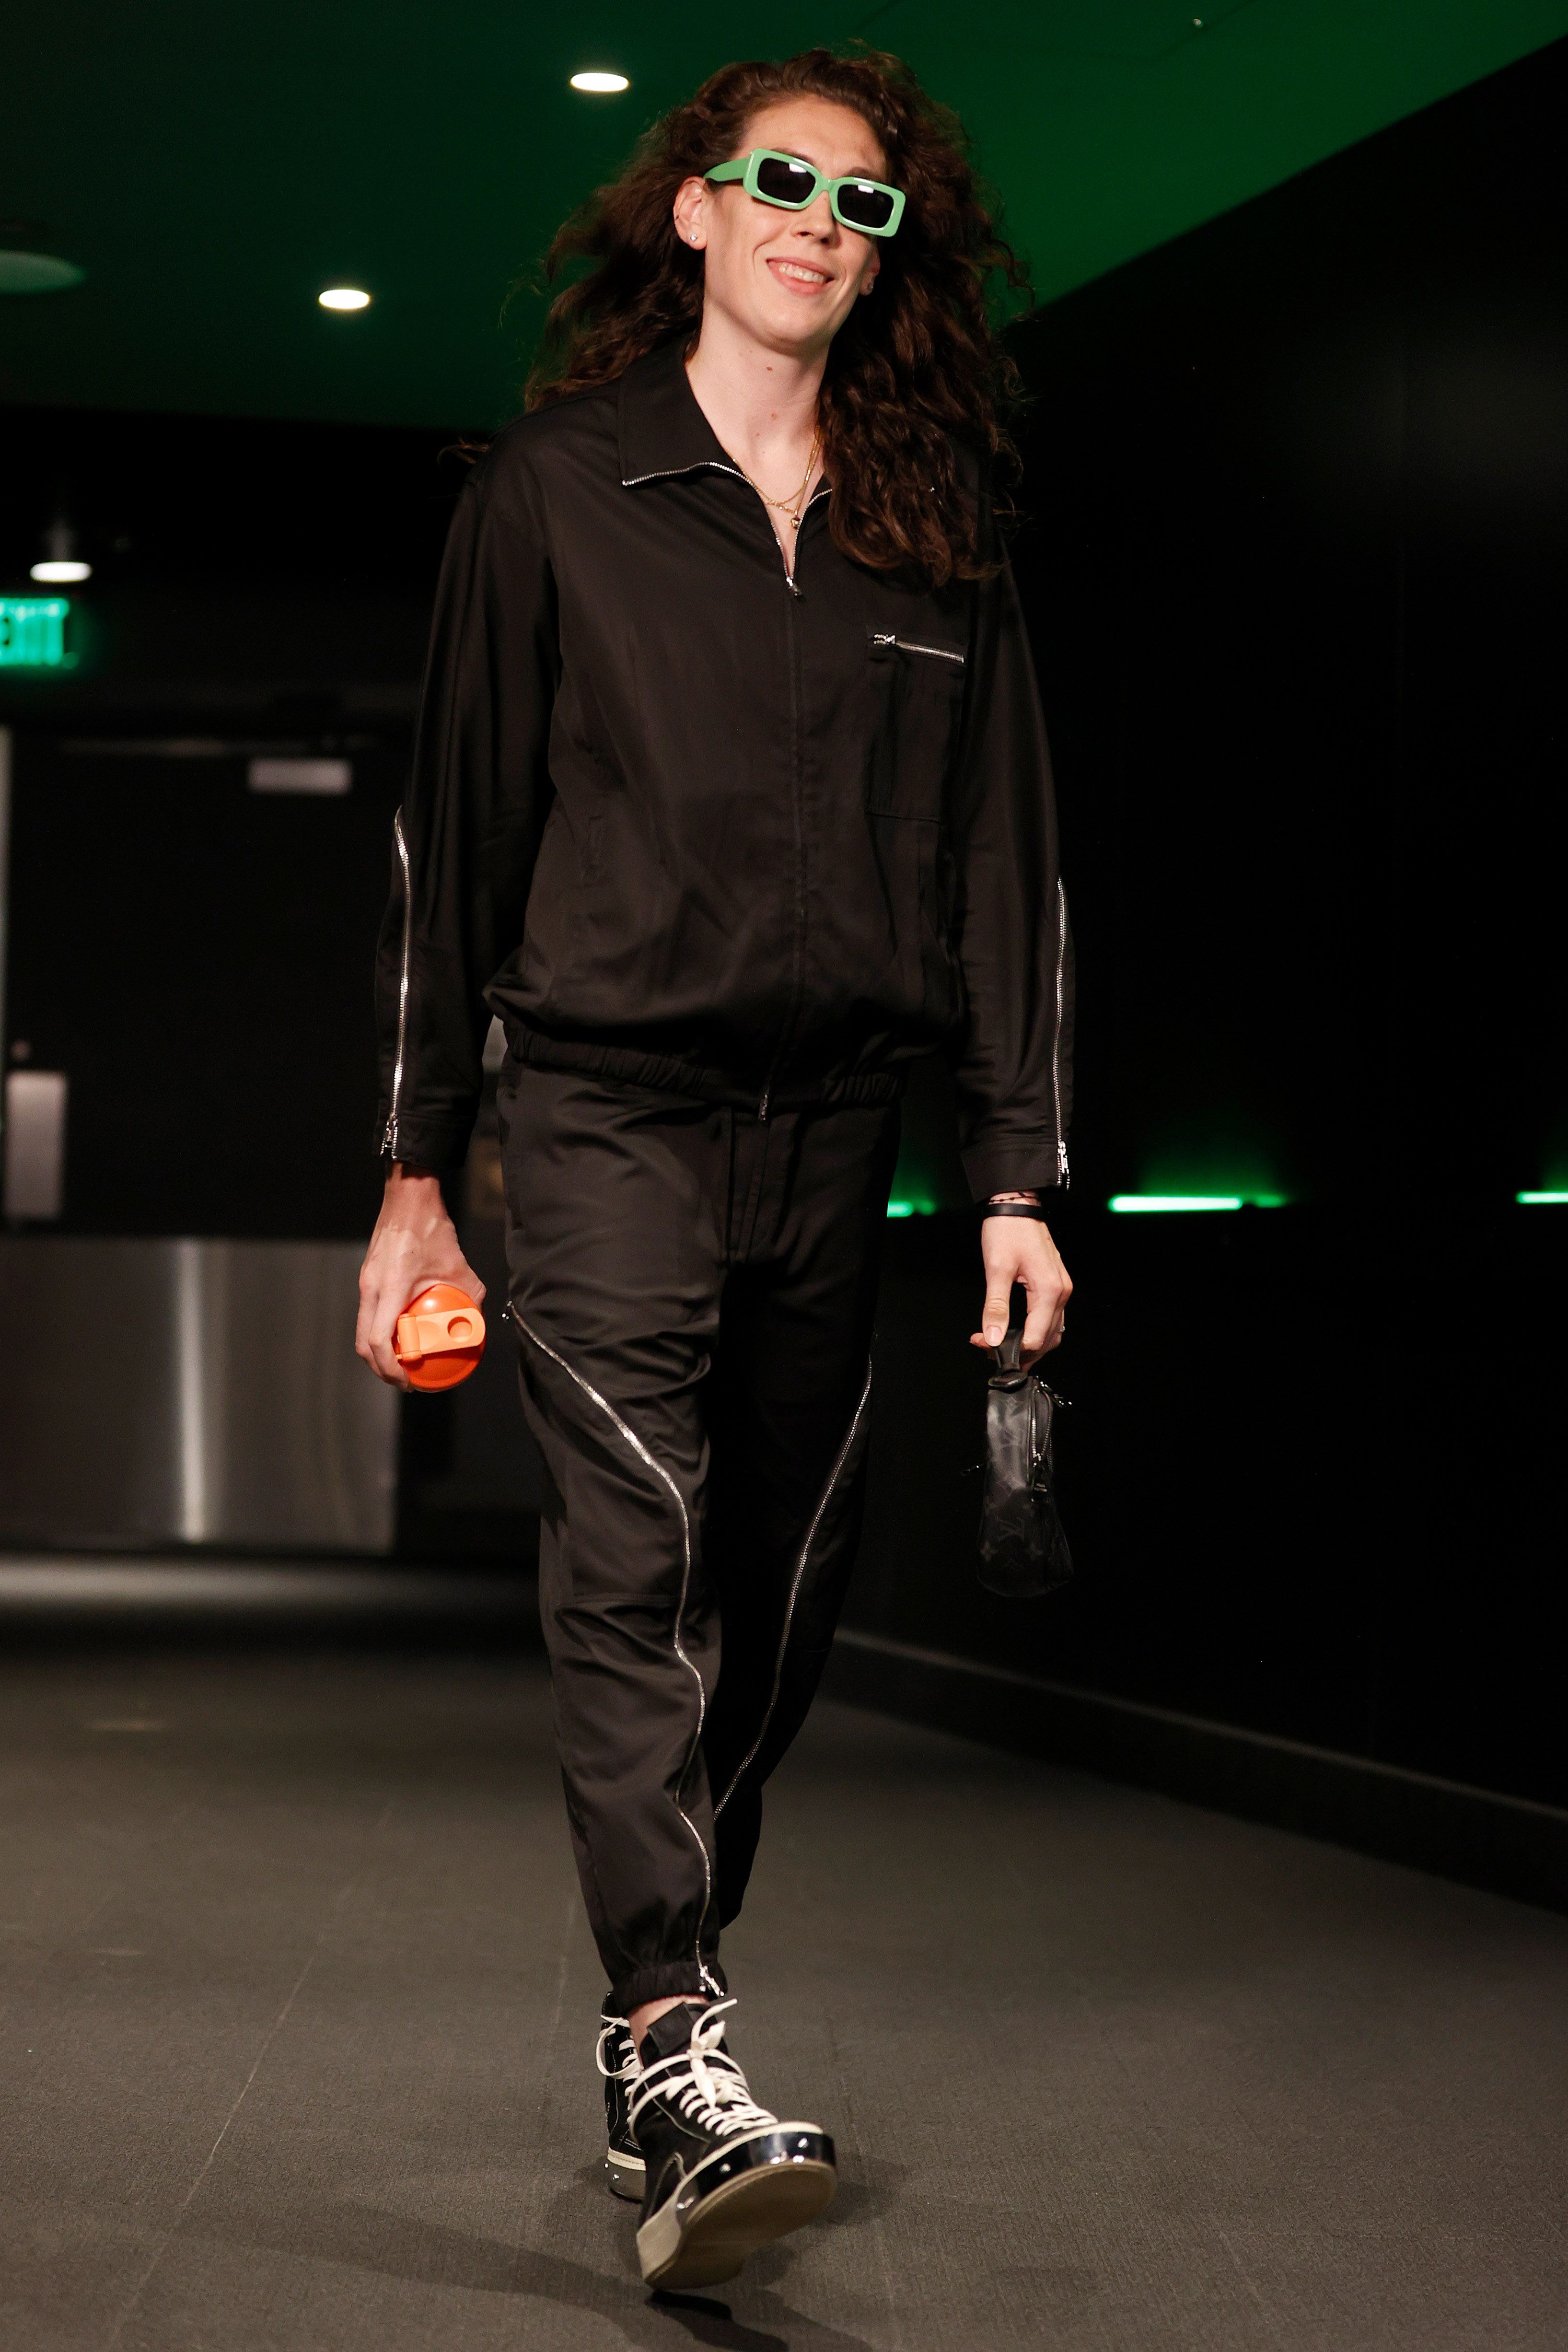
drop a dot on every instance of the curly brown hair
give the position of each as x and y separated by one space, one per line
918 367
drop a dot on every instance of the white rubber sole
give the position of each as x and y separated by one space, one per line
697 2239
627 2175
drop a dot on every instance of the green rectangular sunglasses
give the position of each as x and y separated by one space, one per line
786 181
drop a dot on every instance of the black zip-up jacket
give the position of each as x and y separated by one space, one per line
680 819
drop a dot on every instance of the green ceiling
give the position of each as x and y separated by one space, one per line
211 167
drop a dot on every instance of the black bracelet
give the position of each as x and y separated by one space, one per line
1014 1208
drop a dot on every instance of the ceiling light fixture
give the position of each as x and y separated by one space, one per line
343 298
60 566
606 84
36 273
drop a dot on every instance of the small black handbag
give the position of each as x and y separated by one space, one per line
1023 1552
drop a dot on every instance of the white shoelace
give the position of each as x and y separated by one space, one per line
615 2028
703 2082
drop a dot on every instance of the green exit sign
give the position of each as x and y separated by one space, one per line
33 632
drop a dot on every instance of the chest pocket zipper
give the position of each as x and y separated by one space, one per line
909 645
917 693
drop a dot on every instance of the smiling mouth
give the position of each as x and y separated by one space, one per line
801 274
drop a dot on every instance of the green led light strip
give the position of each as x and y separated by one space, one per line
33 632
1146 1205
1541 1200
1157 1204
1160 1204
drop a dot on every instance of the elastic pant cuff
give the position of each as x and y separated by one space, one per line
667 1982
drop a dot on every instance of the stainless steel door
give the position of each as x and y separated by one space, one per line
204 1392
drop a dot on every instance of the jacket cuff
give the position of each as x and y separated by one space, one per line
1008 1167
438 1143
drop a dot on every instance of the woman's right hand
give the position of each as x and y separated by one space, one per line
414 1242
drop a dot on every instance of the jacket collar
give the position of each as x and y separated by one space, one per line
663 430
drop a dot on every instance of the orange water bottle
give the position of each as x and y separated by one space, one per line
440 1336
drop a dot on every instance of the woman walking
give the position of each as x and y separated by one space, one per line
730 797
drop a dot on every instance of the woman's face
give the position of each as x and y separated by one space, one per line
787 279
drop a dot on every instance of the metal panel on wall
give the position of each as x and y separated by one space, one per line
204 1392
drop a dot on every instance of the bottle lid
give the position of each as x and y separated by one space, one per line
440 1336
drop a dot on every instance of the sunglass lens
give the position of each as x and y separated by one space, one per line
786 182
865 206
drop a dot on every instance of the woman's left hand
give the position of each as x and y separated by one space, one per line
1019 1249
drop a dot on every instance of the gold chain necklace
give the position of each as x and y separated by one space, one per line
793 507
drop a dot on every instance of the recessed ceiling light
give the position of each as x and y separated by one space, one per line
343 298
36 273
607 84
59 566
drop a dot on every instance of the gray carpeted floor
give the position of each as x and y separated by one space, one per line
299 2023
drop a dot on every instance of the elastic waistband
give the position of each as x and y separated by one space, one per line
665 1073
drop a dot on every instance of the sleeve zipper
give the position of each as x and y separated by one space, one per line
388 1141
1056 1039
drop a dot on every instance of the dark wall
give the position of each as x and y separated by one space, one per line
207 504
1298 488
195 955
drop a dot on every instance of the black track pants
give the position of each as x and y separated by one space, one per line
692 1291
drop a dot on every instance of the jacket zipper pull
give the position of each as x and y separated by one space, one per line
766 1098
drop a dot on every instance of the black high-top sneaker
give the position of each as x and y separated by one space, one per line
616 2058
725 2177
